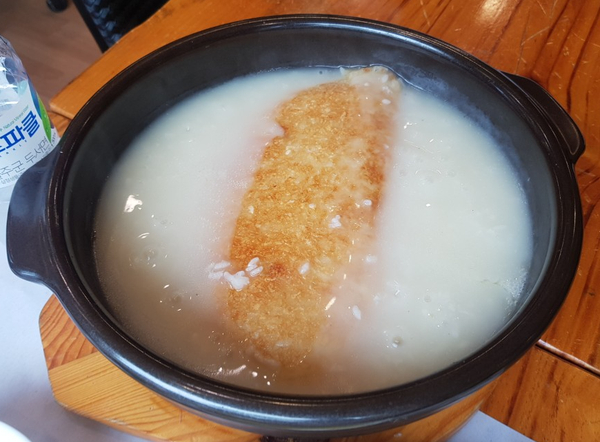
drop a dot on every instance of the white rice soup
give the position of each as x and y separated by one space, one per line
454 248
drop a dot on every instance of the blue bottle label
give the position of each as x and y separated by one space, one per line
26 136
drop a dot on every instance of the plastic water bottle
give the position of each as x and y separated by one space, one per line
26 133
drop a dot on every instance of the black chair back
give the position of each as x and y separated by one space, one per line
109 20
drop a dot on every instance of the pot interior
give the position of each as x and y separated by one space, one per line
119 112
122 110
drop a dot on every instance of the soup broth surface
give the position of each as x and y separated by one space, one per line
453 248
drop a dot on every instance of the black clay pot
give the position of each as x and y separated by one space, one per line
51 215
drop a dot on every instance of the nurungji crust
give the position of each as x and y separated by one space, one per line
312 204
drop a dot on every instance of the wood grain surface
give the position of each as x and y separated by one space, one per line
543 397
547 399
85 382
54 48
551 394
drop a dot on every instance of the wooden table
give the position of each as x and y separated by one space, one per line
552 393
